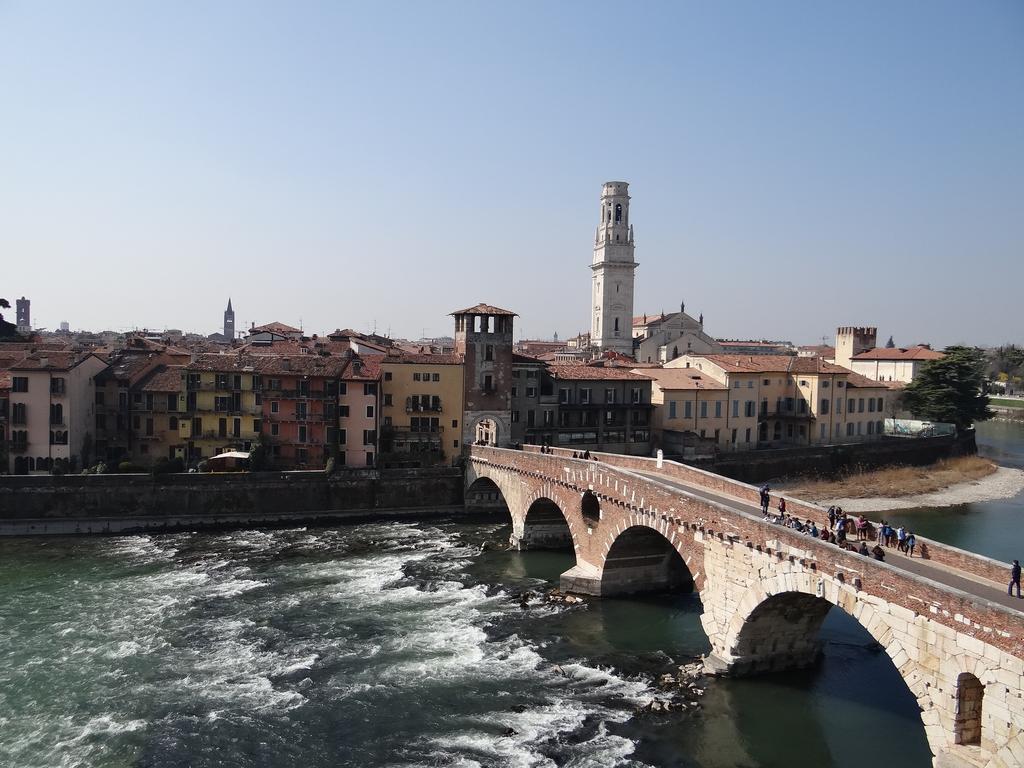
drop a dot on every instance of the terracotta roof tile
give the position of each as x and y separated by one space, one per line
165 378
576 372
484 309
913 353
772 364
685 378
411 359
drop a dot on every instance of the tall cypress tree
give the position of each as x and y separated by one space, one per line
951 389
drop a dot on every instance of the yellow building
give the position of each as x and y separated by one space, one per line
421 408
158 408
222 405
692 411
776 400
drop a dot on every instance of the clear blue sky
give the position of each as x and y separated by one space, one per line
794 166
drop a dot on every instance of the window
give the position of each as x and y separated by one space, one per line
609 395
687 409
56 414
387 375
275 428
672 409
303 433
435 377
342 388
849 429
636 395
871 404
369 388
515 417
767 382
548 417
565 395
343 411
275 406
369 411
704 409
718 409
342 436
735 385
19 384
531 391
101 421
100 397
387 400
369 458
488 383
748 435
850 405
585 396
860 405
19 413
369 436
488 352
824 385
750 409
416 376
735 409
824 409
257 425
881 403
149 427
750 384
839 405
823 431
531 419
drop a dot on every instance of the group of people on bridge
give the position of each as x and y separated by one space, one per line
841 527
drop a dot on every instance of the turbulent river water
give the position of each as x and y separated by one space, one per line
392 644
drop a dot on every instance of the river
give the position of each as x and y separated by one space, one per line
395 644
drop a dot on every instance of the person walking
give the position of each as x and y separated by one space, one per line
1014 578
832 516
911 542
901 539
765 499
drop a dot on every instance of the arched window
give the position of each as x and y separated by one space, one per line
616 325
618 213
969 693
56 413
608 214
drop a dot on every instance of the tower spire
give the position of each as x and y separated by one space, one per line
613 273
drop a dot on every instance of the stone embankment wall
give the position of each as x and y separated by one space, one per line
125 503
945 554
758 466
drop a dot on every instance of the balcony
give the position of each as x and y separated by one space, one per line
414 406
155 436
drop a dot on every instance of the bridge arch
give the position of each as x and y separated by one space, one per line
546 526
640 558
775 626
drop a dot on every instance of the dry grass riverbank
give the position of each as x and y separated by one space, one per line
897 481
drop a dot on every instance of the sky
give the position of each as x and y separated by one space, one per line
793 166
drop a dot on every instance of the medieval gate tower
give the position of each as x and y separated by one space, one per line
613 267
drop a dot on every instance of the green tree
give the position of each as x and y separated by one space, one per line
951 389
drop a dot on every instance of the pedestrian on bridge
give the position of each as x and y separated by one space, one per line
1014 578
832 516
910 542
765 499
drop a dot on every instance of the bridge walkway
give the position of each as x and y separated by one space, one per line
969 583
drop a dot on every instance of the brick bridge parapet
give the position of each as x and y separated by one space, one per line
765 589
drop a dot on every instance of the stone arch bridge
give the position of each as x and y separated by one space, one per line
638 524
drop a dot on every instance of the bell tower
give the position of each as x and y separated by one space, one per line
611 323
229 322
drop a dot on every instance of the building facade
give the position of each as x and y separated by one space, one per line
52 412
421 408
775 401
612 273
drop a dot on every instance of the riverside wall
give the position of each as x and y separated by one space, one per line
69 504
831 460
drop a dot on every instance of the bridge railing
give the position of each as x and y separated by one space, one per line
935 551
